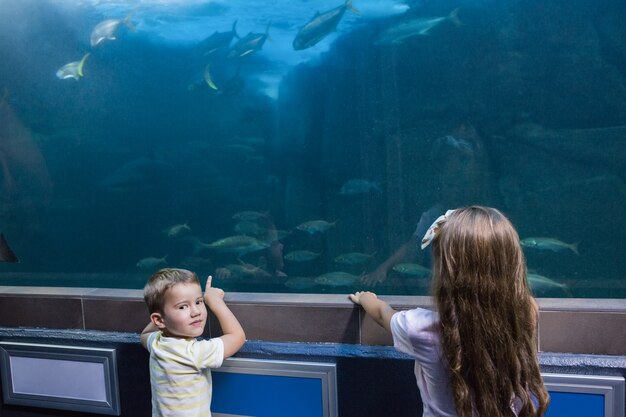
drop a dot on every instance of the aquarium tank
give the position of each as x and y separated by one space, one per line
306 145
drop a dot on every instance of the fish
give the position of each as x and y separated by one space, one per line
337 279
460 144
320 26
107 29
151 263
548 243
242 270
302 256
207 77
177 230
300 283
240 244
315 226
359 186
540 283
73 69
230 87
249 44
218 41
6 253
414 27
202 80
249 215
352 258
197 245
412 269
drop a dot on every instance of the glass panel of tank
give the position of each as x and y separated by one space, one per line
305 146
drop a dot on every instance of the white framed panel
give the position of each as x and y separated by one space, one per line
72 378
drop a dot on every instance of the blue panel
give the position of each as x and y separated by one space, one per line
569 404
266 395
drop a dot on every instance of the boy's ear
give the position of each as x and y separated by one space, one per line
157 320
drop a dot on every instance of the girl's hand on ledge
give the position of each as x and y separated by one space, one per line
357 296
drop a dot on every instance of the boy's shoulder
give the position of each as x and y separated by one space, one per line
159 339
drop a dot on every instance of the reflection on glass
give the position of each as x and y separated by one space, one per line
306 146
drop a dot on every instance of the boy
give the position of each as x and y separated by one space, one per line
179 364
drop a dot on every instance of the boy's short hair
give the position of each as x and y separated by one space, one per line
163 280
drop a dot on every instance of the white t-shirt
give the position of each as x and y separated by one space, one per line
180 374
416 333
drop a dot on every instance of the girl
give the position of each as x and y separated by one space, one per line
477 355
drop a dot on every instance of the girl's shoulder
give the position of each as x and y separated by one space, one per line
416 333
420 313
416 321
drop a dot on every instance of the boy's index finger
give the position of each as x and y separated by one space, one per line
208 281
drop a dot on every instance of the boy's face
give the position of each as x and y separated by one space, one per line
184 312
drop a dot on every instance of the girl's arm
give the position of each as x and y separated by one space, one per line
379 310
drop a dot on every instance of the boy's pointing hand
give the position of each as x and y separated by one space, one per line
211 294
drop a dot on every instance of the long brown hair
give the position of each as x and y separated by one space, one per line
488 315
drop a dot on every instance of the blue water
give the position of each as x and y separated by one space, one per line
520 105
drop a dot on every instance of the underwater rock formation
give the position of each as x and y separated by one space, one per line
535 83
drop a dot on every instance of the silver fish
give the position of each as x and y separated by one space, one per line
177 230
320 26
540 283
151 263
242 270
300 283
240 244
414 27
548 243
352 258
460 144
73 69
6 254
302 256
337 279
249 215
359 186
412 269
107 29
249 44
315 226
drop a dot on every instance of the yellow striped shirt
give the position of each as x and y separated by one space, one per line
180 375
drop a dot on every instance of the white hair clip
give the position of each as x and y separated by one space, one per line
433 230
